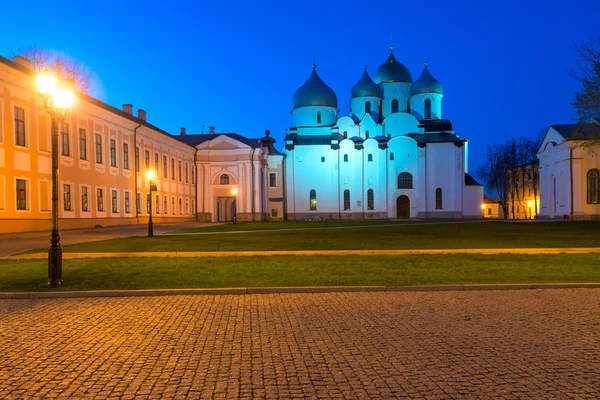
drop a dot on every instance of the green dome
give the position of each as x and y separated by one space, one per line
426 84
392 71
315 92
365 87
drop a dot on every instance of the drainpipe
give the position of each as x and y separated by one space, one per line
252 167
387 181
339 186
571 177
135 169
196 183
425 161
284 187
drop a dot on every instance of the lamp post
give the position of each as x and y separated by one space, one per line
58 97
150 175
234 193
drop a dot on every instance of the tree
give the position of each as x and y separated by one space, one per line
63 66
587 99
495 173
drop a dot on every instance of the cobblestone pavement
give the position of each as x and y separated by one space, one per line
438 345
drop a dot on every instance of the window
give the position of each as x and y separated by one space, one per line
193 174
64 139
165 169
82 144
272 179
319 117
438 199
113 153
156 164
427 109
173 205
98 148
148 203
224 180
127 202
146 160
274 213
193 206
113 201
593 186
172 168
405 181
346 200
157 204
394 106
21 194
368 107
345 135
180 208
126 155
370 157
313 200
137 159
100 199
138 203
84 199
392 156
367 135
165 205
345 157
489 211
370 199
67 197
179 170
322 159
20 130
408 108
186 172
187 206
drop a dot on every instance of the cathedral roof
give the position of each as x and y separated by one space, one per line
365 87
470 181
578 131
314 92
426 84
392 71
196 139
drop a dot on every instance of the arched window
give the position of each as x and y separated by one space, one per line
345 135
367 107
408 109
370 200
394 106
593 186
319 117
345 157
224 180
392 156
438 198
405 181
313 200
370 157
346 200
427 109
366 134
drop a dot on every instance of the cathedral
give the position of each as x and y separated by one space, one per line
393 156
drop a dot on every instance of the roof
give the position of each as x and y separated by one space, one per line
312 140
578 131
314 92
426 84
92 100
365 87
392 71
436 125
196 139
470 181
424 138
488 200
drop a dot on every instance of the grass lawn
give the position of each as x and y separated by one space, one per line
403 236
155 273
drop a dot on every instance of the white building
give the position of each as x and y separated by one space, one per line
392 157
570 172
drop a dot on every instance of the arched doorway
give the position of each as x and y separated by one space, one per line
226 209
403 207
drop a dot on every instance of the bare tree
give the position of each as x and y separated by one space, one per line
63 66
495 173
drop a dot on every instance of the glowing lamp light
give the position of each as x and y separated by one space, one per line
150 174
483 206
530 203
45 83
63 98
234 191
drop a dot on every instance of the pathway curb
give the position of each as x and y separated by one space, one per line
283 290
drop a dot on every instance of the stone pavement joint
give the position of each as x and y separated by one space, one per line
437 345
182 254
291 289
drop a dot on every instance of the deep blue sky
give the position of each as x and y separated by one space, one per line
236 64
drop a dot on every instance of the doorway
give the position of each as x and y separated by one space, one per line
403 207
225 209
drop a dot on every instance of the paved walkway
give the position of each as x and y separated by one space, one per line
184 254
13 243
441 345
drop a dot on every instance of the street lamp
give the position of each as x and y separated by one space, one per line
150 175
59 97
234 193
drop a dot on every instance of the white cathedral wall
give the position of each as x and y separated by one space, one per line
307 116
472 201
397 90
444 169
406 159
418 105
357 107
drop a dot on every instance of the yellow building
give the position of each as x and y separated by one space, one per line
524 193
491 208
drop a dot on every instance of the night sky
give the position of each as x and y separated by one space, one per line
236 65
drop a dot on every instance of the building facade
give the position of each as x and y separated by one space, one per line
392 157
570 172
